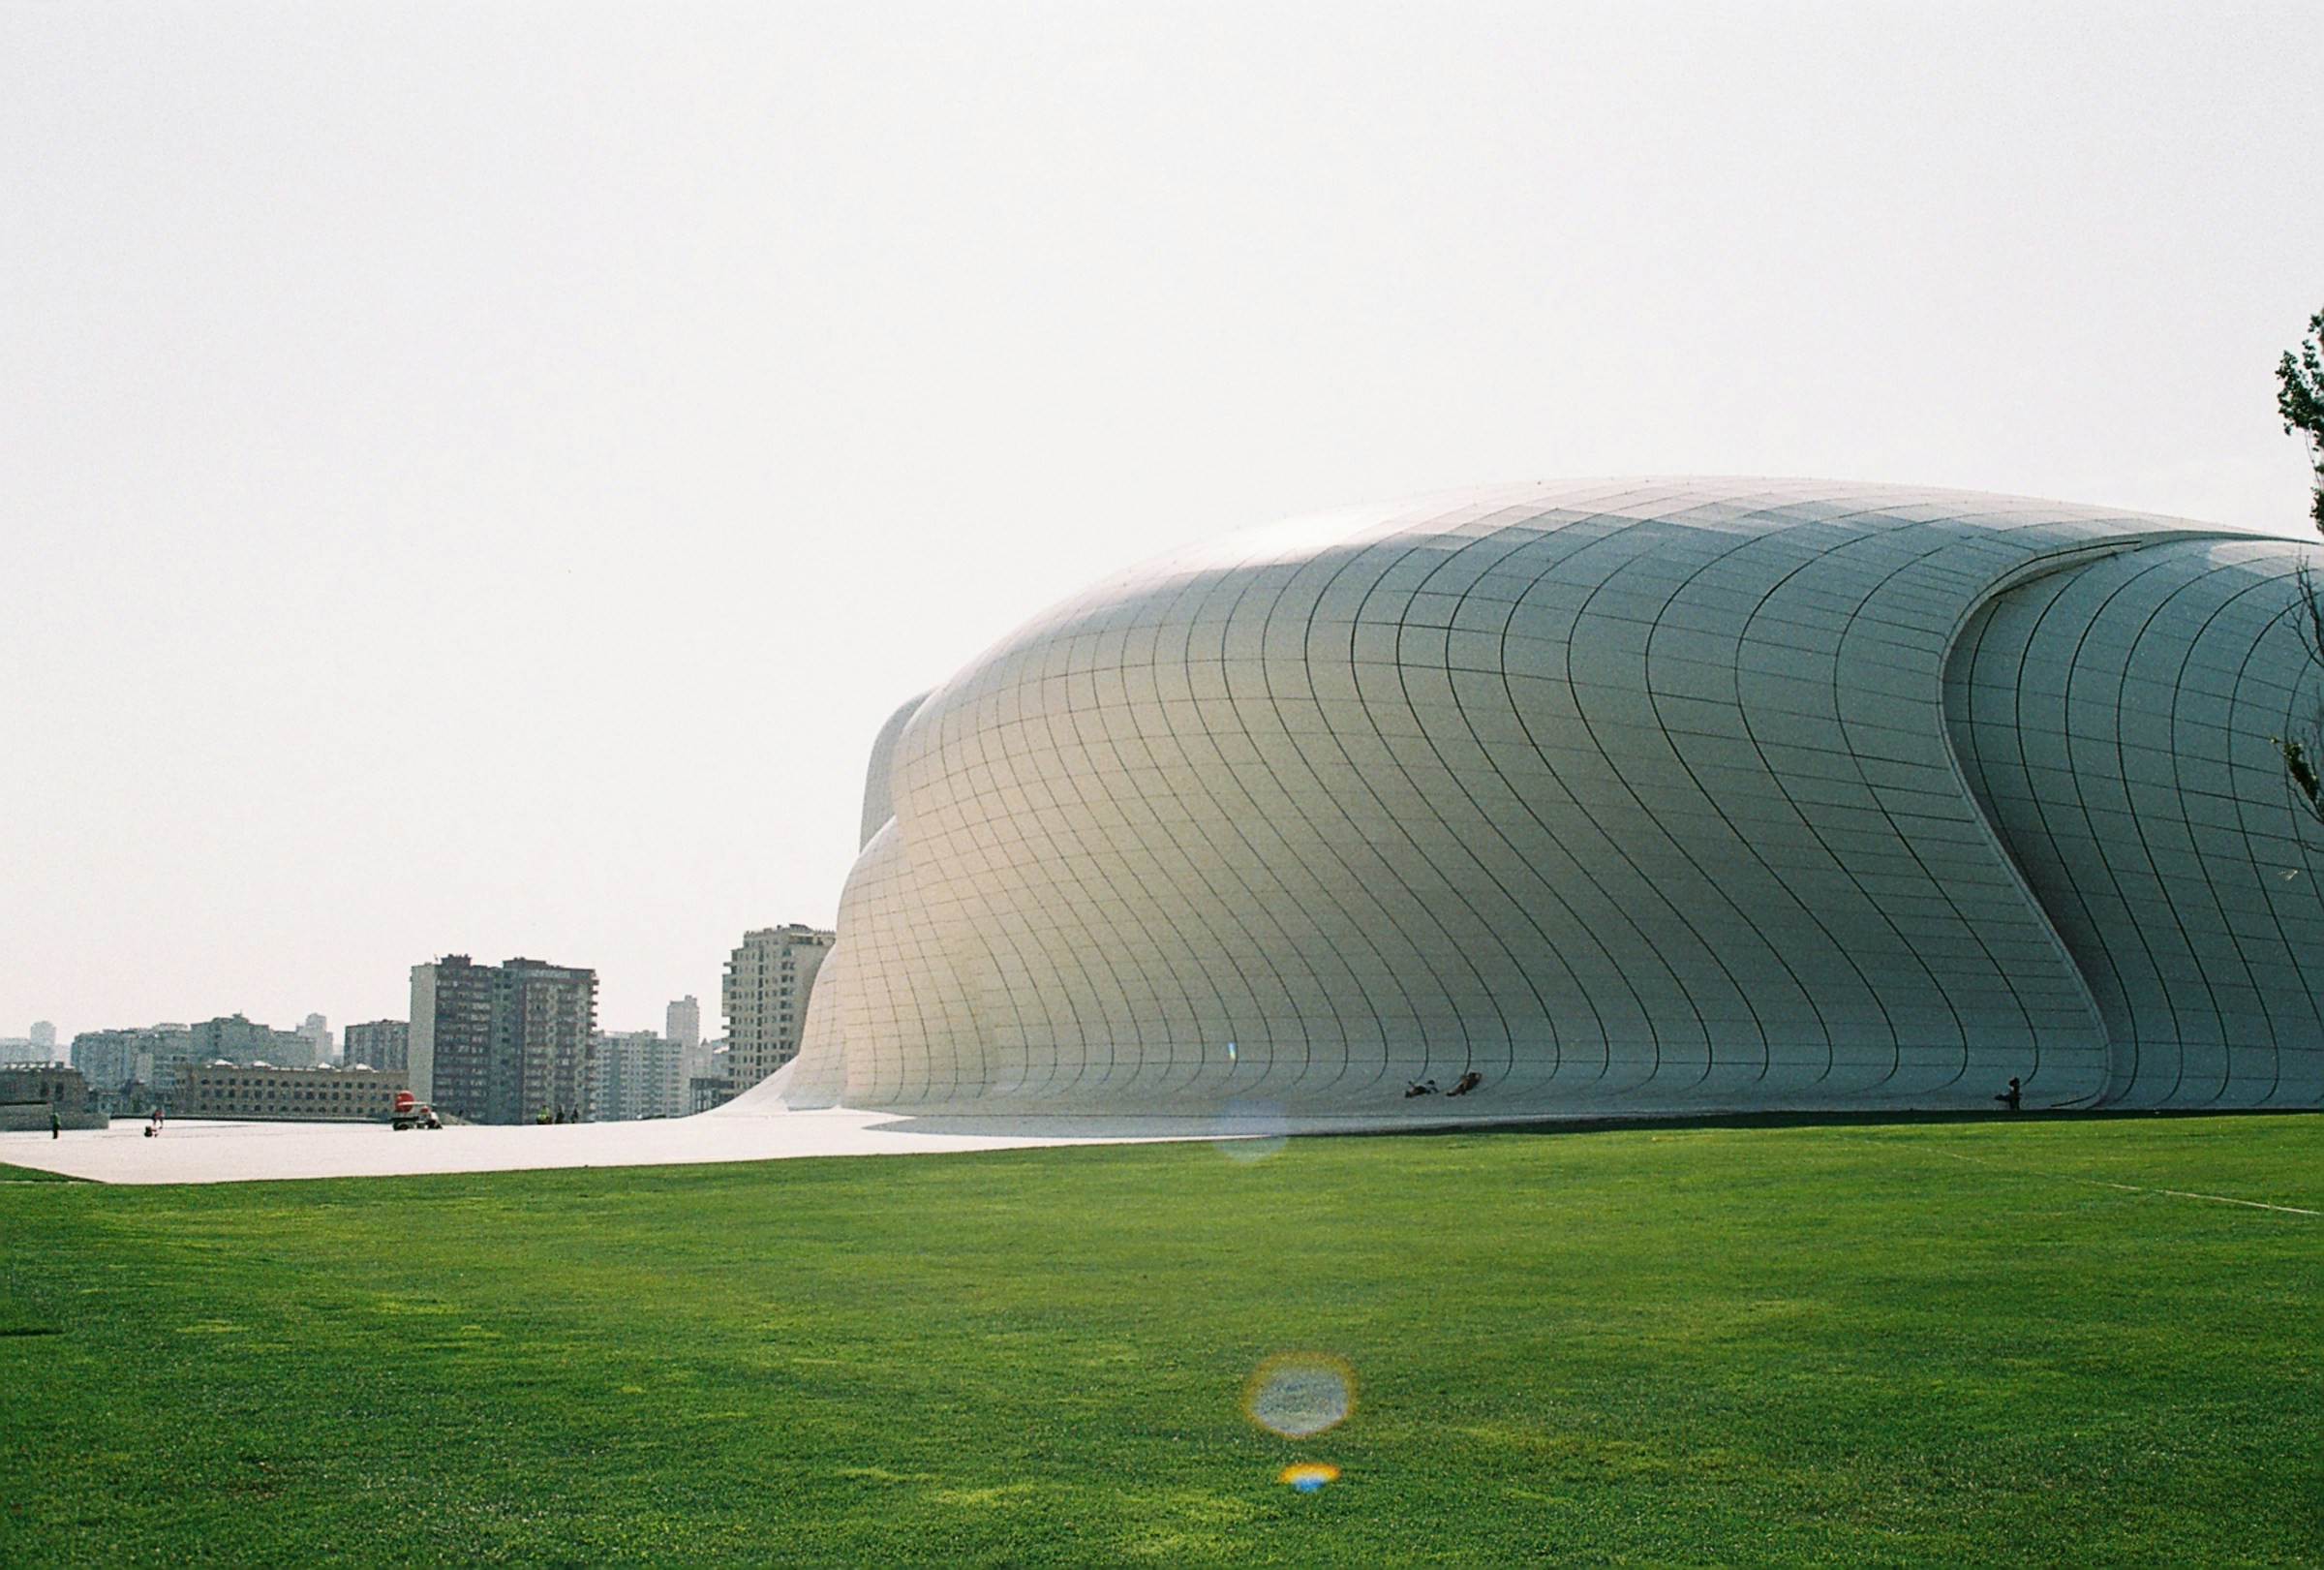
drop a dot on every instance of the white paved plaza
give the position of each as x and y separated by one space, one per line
207 1151
202 1151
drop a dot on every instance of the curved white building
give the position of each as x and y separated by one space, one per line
1622 796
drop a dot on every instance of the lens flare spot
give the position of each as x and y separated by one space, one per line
1308 1475
1298 1394
1248 1131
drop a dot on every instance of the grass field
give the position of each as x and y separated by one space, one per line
1938 1343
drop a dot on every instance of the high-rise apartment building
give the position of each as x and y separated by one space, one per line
544 1018
111 1059
501 1043
153 1057
764 994
695 1061
384 1044
636 1074
449 1040
318 1029
681 1022
707 1083
238 1041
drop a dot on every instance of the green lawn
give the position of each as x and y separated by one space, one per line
26 1174
1940 1343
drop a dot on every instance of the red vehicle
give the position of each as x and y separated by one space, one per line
410 1113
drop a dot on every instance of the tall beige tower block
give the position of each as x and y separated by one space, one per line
765 992
1624 796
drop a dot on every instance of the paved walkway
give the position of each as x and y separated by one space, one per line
202 1151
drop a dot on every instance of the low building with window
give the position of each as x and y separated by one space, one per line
230 1090
40 1095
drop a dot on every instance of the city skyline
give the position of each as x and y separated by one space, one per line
682 1025
477 482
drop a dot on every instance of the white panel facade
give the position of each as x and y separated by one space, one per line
2114 718
1628 796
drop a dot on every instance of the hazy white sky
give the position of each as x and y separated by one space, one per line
474 478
